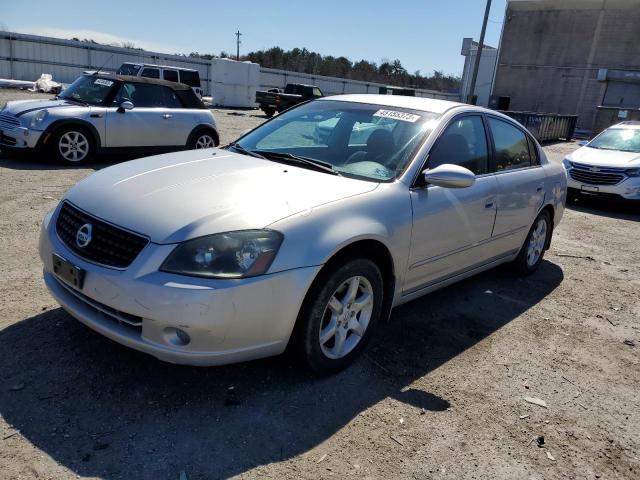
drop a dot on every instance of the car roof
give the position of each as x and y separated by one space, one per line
630 124
403 101
173 67
134 79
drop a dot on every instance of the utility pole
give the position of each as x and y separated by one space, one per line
476 66
238 42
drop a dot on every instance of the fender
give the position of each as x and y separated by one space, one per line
46 135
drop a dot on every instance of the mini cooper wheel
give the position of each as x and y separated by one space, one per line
73 145
203 140
532 252
339 314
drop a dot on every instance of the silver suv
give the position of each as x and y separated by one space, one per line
101 112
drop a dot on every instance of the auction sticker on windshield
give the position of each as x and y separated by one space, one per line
405 117
102 81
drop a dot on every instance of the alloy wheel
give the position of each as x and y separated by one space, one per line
346 317
73 146
537 242
205 141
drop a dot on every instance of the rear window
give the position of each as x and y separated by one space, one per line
189 77
170 75
128 69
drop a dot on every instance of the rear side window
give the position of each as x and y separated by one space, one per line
317 92
463 143
128 69
511 146
533 150
143 95
170 75
190 78
171 100
150 73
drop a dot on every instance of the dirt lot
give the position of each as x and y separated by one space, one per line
440 393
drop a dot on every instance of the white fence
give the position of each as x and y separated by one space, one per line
233 84
272 78
25 57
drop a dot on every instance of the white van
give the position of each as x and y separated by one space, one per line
173 74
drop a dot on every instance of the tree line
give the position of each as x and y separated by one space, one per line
387 72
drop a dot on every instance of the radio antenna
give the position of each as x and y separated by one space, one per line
102 66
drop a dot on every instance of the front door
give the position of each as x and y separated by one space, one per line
452 227
151 123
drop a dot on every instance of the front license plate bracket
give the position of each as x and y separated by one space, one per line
68 272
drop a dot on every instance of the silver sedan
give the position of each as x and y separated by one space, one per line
284 239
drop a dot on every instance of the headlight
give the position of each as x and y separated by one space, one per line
633 172
225 255
567 164
38 118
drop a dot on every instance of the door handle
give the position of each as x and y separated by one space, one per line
167 116
489 203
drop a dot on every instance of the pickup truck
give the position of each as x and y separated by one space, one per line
275 100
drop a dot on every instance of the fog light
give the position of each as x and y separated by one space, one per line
176 336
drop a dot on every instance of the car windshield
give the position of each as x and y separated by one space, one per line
128 69
88 89
623 139
371 142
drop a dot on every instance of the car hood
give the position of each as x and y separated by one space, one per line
174 197
605 158
21 107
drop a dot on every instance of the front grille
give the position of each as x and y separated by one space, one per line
109 245
603 175
125 319
5 140
8 121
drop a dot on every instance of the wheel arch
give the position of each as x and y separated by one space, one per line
203 128
71 122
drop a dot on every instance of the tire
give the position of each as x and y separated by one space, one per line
269 112
330 338
203 139
532 251
73 145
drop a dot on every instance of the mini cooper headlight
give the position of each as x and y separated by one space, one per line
567 164
239 254
38 118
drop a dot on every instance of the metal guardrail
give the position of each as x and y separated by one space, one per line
546 126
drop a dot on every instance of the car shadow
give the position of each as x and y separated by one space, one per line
103 410
606 208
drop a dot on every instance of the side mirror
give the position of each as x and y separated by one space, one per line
582 143
126 105
449 176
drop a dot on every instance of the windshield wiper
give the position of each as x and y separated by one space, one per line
244 151
73 100
317 164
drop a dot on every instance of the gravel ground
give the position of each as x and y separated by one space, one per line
440 393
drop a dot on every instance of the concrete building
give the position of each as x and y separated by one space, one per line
570 56
485 71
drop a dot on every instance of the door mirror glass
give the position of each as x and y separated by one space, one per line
126 105
449 176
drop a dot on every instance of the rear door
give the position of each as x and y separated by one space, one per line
520 180
452 227
152 122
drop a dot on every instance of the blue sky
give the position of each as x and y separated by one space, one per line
425 35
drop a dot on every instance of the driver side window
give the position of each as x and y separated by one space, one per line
463 143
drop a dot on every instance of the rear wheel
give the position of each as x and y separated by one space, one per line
269 112
203 139
73 145
339 315
532 252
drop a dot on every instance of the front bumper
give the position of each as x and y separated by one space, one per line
227 320
627 189
19 138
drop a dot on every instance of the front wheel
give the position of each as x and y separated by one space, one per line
339 315
73 145
532 252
